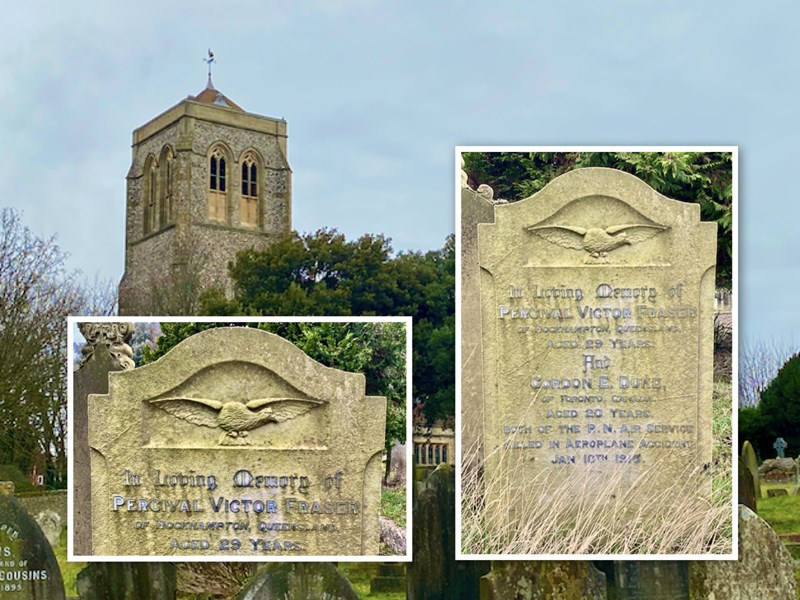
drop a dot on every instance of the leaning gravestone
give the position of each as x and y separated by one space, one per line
597 329
751 462
765 568
28 567
235 443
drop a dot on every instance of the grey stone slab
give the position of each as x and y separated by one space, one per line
597 342
28 567
235 443
751 462
765 568
544 580
106 350
474 209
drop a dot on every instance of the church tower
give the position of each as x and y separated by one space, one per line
207 180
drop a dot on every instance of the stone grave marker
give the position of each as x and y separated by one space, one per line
50 523
597 332
106 349
235 443
28 567
747 489
780 447
299 581
765 568
475 208
751 462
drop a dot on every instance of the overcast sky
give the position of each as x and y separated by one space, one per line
377 95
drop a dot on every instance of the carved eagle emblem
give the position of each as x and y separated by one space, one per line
596 242
233 417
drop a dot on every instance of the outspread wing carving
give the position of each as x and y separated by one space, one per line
636 233
198 411
283 409
561 235
236 418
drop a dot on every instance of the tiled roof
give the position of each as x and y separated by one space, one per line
211 95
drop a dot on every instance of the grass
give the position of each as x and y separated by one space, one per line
781 512
594 513
69 570
393 505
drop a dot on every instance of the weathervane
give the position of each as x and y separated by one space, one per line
208 61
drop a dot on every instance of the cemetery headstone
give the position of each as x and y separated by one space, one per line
475 208
765 568
435 574
50 523
106 349
747 490
597 337
780 447
299 581
235 443
751 462
127 581
651 580
563 580
28 567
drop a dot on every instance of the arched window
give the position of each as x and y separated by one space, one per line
151 195
166 210
217 186
248 206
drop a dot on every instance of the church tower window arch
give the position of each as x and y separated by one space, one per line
150 195
218 183
250 189
167 197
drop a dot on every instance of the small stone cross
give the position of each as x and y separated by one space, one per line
780 445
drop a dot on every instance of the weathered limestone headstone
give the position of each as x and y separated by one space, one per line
28 567
391 577
236 443
299 581
50 523
651 580
475 208
106 350
780 447
127 581
597 327
747 489
751 462
544 580
765 568
435 574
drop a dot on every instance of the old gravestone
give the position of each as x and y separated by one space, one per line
28 567
780 447
597 331
475 208
106 349
765 568
235 443
751 462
